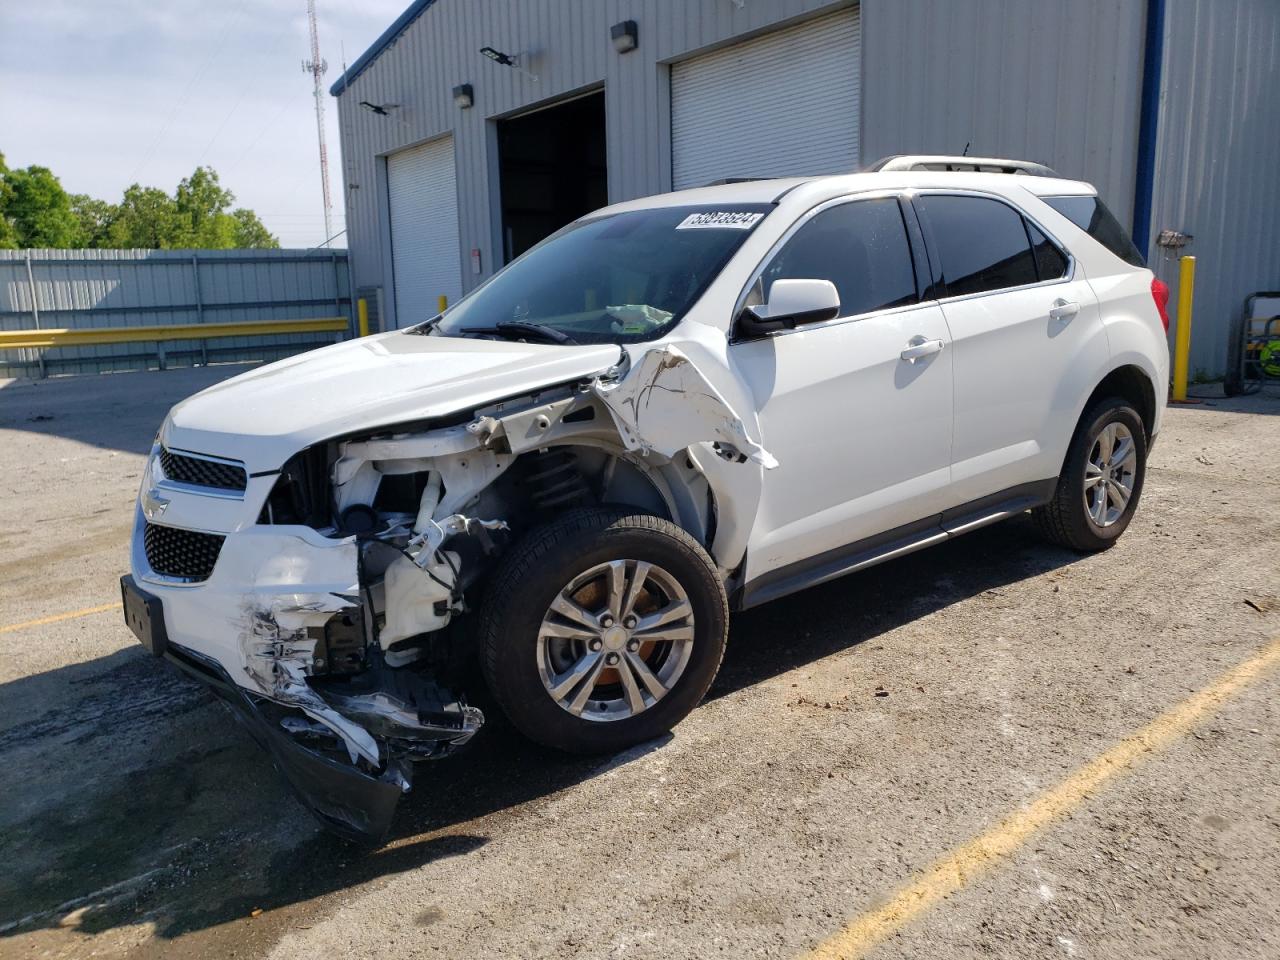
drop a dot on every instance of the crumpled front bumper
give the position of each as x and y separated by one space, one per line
247 630
348 801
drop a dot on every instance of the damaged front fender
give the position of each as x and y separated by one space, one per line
666 404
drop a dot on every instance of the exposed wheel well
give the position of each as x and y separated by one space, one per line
1132 384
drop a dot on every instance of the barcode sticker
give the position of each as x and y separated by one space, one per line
720 219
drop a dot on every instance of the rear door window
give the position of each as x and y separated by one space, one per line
861 247
982 243
1091 215
1051 263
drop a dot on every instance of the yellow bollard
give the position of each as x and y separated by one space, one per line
1182 342
362 316
443 303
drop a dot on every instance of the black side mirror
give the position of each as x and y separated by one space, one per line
751 325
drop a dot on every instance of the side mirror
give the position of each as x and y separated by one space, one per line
791 302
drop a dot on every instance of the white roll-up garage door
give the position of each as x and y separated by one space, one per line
422 195
783 104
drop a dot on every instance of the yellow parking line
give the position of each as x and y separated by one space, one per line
967 862
102 608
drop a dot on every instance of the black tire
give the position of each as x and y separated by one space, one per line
1064 520
531 576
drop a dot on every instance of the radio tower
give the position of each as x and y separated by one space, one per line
317 67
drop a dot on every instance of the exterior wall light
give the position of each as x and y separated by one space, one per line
506 60
463 96
498 57
625 36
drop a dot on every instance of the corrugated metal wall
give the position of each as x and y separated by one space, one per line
1041 80
80 289
1217 170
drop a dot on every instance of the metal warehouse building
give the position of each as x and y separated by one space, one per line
455 161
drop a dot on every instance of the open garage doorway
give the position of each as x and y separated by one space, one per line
551 169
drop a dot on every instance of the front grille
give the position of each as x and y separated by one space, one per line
200 472
185 554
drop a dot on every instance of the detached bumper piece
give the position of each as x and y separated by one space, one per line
351 802
345 799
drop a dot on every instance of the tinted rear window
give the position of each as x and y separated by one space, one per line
982 243
1092 216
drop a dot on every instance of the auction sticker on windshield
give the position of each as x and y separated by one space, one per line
722 219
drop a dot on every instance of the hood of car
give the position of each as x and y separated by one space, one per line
264 416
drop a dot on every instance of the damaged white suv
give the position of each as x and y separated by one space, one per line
672 408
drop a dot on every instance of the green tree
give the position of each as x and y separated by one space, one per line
8 232
205 202
95 218
39 209
35 211
149 218
251 233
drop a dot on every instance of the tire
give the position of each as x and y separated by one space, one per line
1070 519
529 651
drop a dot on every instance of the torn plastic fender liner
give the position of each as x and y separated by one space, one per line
346 800
665 404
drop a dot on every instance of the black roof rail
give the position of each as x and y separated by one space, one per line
905 162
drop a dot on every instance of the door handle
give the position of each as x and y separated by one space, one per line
918 347
1063 309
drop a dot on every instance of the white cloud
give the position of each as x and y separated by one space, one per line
116 91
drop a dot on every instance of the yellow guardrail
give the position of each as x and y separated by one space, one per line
95 336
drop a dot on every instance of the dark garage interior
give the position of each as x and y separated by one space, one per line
552 170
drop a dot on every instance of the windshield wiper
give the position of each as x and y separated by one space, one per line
516 329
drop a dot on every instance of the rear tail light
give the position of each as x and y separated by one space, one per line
1160 294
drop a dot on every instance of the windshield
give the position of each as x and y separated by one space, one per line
622 278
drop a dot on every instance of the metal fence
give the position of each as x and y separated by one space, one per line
86 289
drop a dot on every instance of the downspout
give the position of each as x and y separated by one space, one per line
1148 123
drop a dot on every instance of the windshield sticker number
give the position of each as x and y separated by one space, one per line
721 220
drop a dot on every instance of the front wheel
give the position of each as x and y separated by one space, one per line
1101 480
602 629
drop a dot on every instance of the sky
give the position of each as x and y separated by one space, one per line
107 93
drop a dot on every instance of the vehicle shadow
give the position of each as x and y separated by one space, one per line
200 816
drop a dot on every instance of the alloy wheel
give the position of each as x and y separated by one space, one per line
1109 474
615 640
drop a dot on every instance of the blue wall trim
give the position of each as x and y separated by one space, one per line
1149 120
389 36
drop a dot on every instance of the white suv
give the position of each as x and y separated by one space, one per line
672 408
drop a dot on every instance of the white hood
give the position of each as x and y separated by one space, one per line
266 415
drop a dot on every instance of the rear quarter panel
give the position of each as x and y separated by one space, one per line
1134 330
1135 335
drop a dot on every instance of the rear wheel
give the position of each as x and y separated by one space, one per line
603 629
1101 480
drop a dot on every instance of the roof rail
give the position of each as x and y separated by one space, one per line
960 165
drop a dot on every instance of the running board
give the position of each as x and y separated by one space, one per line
894 543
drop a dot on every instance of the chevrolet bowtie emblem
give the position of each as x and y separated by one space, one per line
153 505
